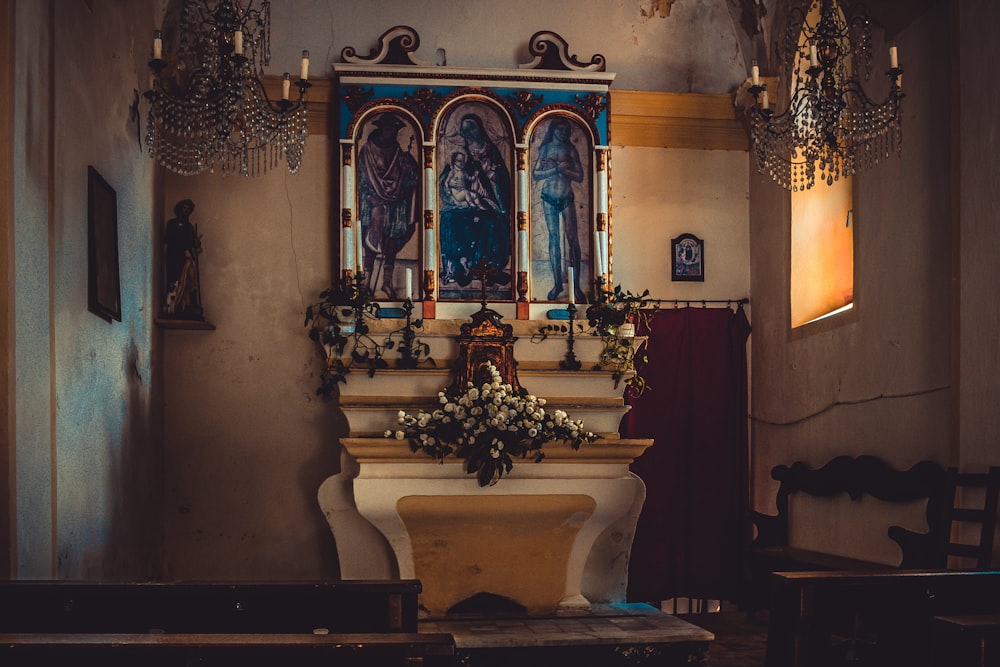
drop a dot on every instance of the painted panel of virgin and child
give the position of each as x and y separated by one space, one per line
475 153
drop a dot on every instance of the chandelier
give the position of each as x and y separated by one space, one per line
831 127
208 108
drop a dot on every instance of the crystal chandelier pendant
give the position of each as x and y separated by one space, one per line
831 127
208 109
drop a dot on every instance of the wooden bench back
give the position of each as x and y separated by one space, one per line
859 476
183 607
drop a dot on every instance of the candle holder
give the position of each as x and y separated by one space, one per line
157 65
570 362
408 357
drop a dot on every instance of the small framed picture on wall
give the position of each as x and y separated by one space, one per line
103 282
687 253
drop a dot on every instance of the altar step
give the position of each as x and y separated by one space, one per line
609 635
371 404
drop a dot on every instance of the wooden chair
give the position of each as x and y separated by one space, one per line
963 490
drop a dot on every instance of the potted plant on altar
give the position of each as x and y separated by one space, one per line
614 317
339 323
333 321
488 426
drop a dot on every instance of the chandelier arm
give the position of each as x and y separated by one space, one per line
257 86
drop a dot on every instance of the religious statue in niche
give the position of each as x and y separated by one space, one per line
182 285
388 200
474 190
561 175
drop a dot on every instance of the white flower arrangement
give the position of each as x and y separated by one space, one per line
489 426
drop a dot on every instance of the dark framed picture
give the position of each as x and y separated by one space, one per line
103 281
687 253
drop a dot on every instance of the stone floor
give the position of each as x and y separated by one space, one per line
740 640
609 634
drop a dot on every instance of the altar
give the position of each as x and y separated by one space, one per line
548 537
460 185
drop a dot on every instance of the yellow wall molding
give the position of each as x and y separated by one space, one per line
676 120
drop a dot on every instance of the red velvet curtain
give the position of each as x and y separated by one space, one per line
696 516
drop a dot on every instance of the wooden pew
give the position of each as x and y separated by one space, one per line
374 622
244 650
870 618
854 478
208 607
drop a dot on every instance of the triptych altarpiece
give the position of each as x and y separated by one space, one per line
452 180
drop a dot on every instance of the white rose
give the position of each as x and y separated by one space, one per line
399 435
387 434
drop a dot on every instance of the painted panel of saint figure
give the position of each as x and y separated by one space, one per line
475 153
388 203
561 176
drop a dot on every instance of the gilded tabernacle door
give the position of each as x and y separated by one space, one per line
455 180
